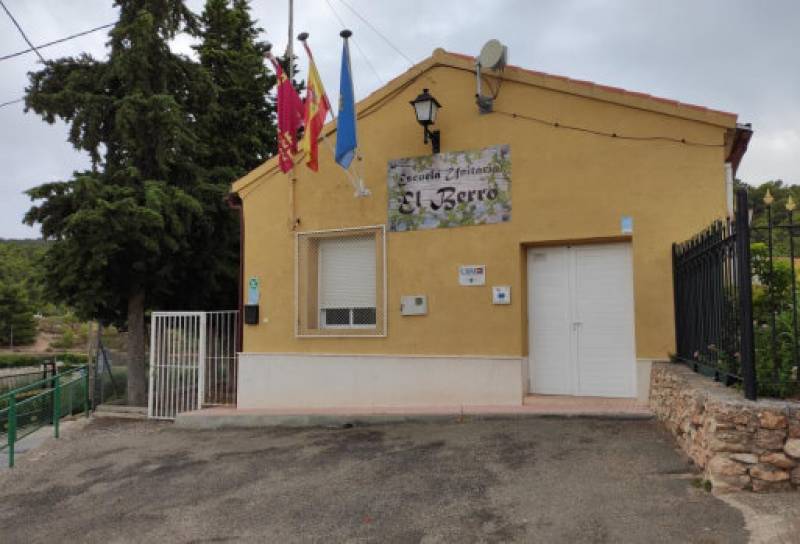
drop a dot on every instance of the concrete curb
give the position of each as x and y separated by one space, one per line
120 411
232 421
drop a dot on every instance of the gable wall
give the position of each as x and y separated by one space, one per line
566 185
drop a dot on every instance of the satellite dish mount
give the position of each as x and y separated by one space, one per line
493 57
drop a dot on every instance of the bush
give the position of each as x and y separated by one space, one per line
776 372
66 341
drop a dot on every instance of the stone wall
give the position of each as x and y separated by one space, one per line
738 443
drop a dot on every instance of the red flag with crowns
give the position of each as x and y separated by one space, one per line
290 118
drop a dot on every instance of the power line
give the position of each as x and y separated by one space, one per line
10 102
361 51
555 124
16 24
36 48
378 32
55 42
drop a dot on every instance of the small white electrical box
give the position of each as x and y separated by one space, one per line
414 305
501 294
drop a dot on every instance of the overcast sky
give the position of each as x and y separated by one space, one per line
736 55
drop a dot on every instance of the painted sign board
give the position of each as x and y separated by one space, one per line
454 189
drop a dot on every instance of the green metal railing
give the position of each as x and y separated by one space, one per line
25 409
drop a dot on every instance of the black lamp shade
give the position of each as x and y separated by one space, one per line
425 107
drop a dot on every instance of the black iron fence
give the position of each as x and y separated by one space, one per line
736 303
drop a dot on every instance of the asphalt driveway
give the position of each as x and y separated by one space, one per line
513 480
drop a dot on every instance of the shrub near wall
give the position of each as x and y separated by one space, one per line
738 443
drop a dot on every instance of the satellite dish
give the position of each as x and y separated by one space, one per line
493 55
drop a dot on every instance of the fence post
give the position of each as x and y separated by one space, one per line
675 309
201 362
86 373
12 429
747 343
56 403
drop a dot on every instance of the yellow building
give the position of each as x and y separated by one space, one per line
449 284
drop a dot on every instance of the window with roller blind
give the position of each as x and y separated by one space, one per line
347 280
340 282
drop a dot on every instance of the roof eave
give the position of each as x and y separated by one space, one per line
739 138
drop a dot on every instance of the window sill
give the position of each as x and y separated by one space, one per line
342 332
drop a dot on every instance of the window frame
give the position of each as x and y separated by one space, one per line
351 330
323 322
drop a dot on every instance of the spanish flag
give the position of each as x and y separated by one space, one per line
316 109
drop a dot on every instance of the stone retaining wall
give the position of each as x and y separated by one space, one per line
738 443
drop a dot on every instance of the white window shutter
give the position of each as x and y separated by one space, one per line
347 273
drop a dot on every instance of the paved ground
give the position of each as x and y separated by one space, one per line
515 480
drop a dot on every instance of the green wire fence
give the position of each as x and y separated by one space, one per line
44 402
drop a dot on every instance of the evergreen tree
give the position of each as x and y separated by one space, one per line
121 230
237 132
239 128
17 324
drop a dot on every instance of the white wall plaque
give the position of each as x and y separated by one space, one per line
501 294
626 224
472 274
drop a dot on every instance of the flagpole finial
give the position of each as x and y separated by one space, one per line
303 36
345 33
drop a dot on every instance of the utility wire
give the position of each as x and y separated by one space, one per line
36 48
10 102
16 24
555 124
361 51
55 42
378 32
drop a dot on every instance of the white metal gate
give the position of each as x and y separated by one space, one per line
193 361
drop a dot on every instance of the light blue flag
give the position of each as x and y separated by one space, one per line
346 121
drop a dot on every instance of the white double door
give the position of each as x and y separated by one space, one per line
580 319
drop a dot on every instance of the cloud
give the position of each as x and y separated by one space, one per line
735 55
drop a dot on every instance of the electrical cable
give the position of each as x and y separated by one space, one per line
556 124
16 24
378 32
55 42
48 44
361 51
10 102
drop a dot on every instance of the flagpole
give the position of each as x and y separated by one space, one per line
290 45
292 200
290 53
360 189
303 36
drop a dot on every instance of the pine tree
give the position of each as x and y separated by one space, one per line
239 127
17 324
121 229
237 133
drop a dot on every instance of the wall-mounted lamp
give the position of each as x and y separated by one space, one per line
426 107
